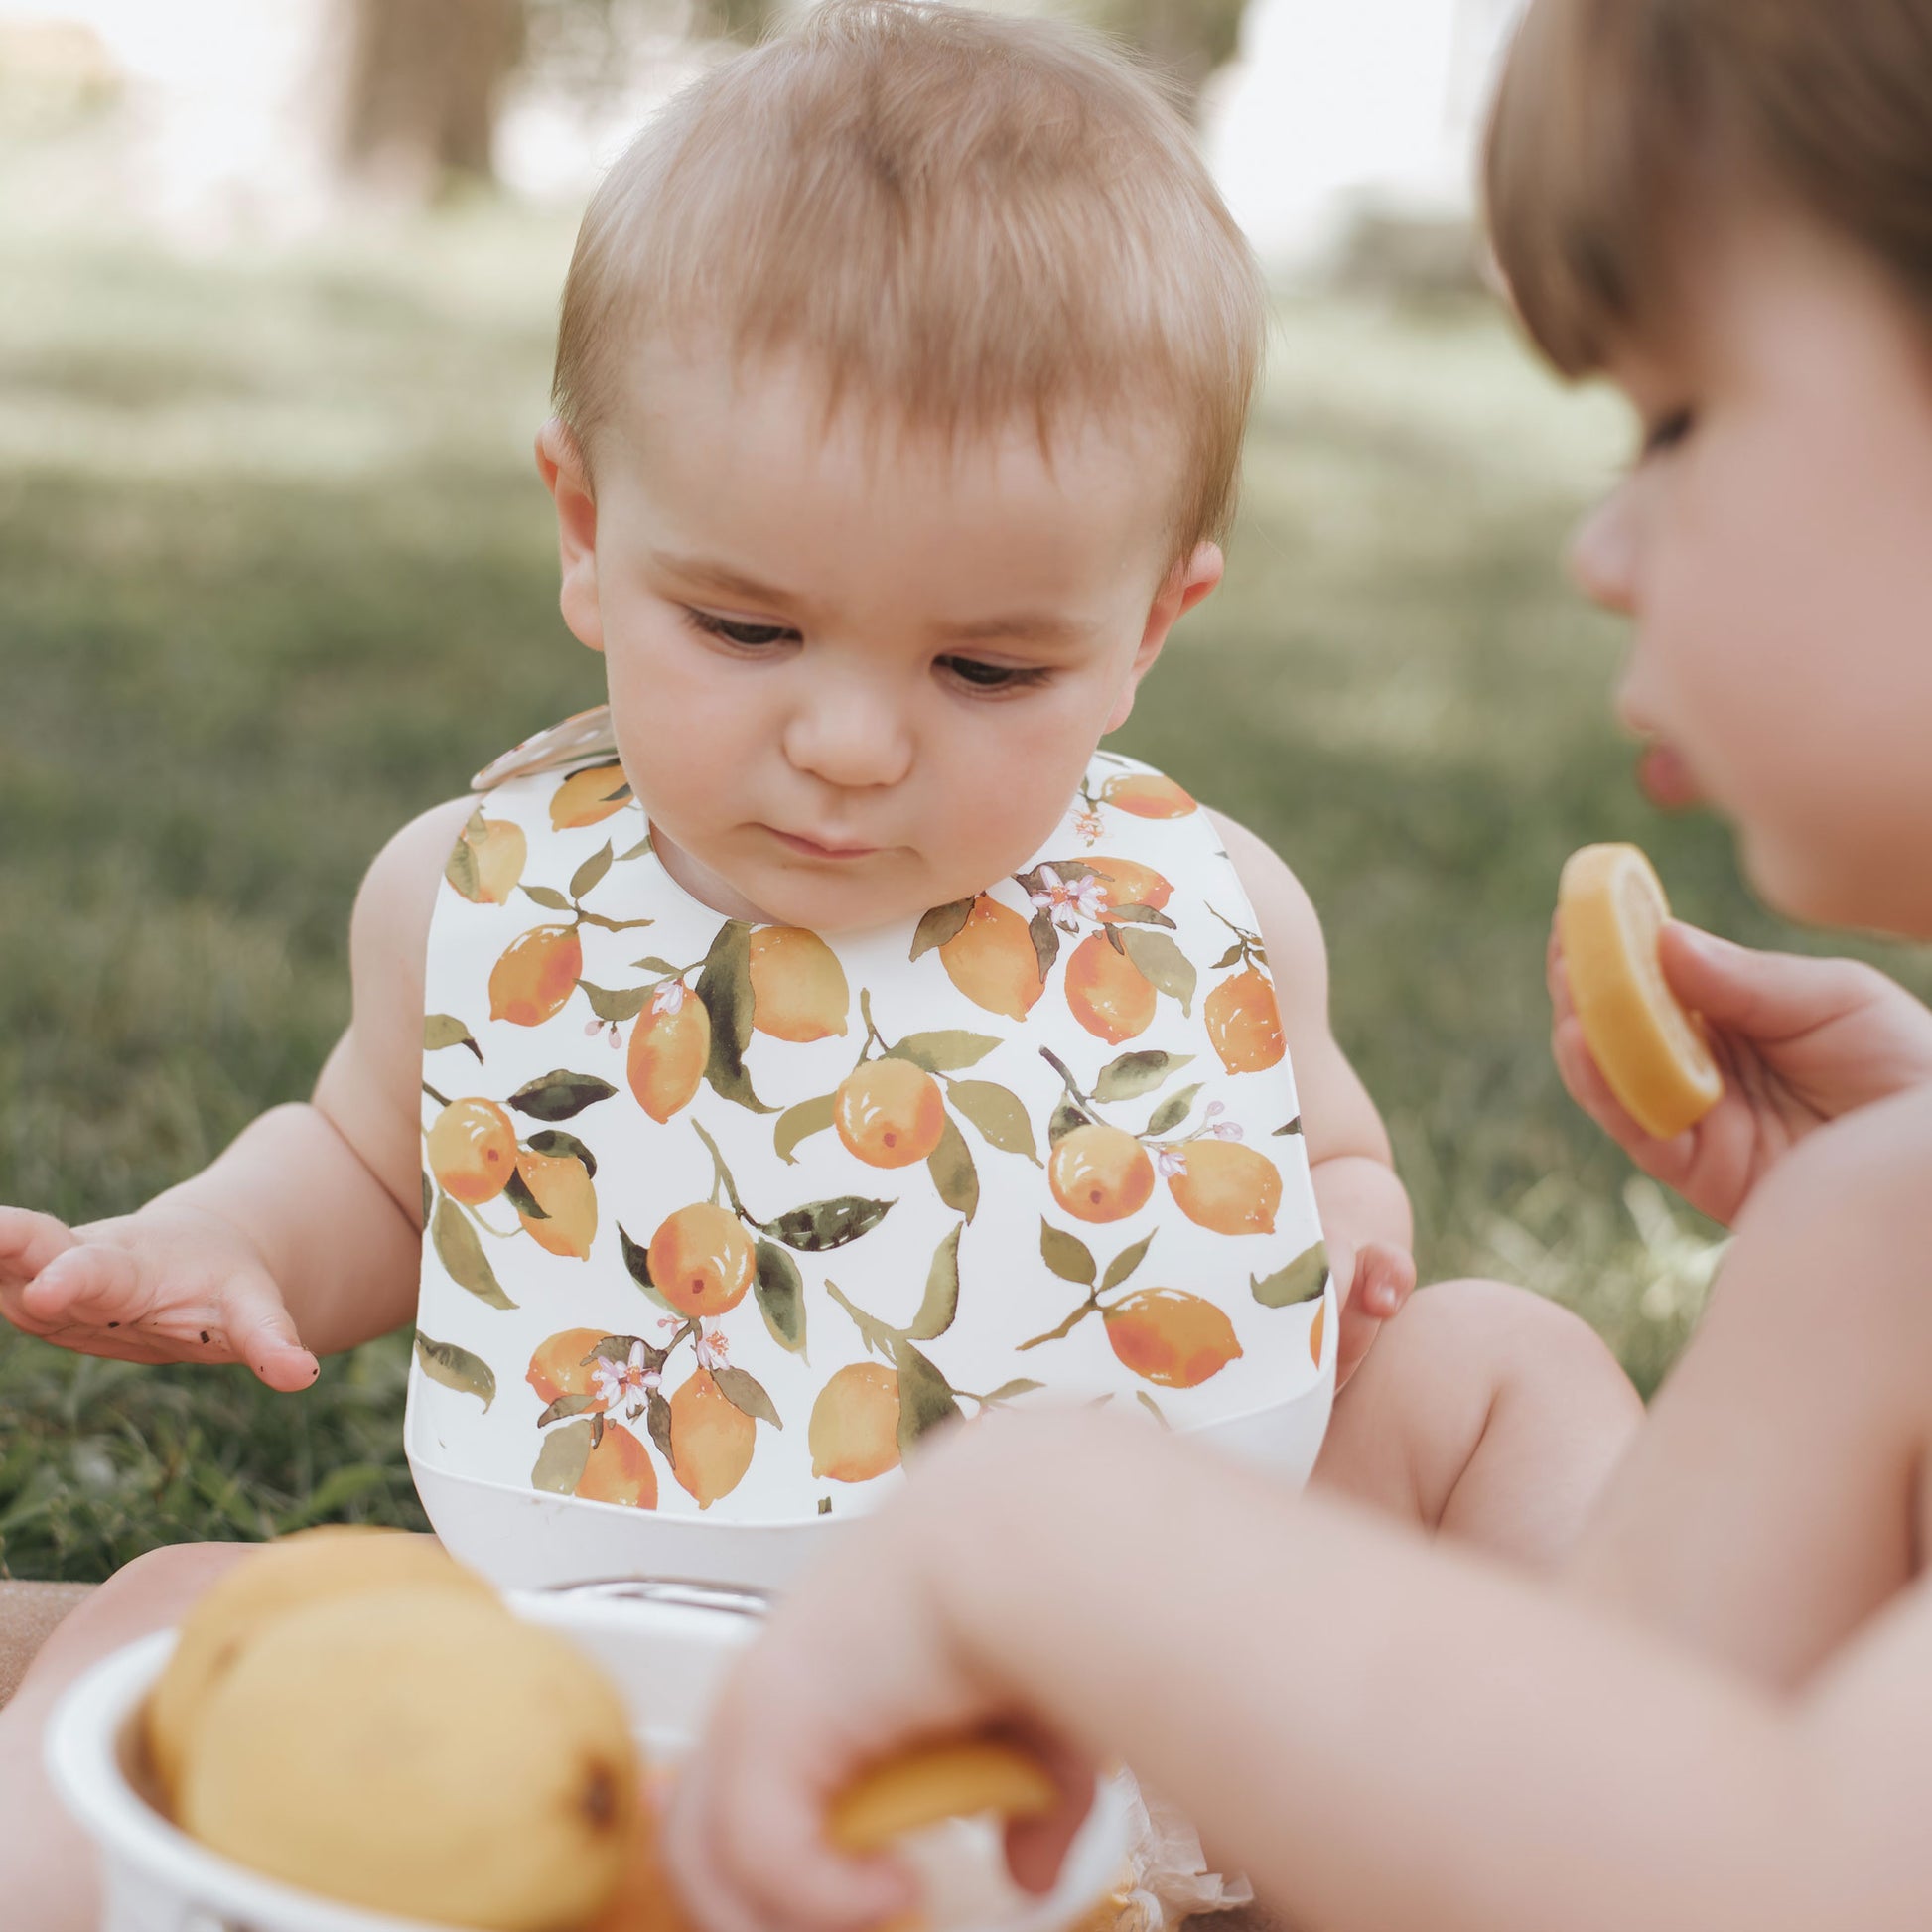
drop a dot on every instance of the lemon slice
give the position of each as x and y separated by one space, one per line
922 1787
1610 908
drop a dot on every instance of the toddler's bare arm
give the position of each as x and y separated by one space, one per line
302 1236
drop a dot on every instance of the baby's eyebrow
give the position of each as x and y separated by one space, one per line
1019 627
719 576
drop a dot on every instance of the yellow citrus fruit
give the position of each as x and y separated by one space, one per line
711 1439
585 796
1100 1173
921 1787
498 850
1171 1338
1148 794
1315 1329
1610 910
1107 993
537 973
618 1470
1129 883
798 989
473 1151
853 1433
702 1260
562 1188
890 1113
991 959
421 1755
1244 1023
338 1560
558 1366
1228 1188
668 1052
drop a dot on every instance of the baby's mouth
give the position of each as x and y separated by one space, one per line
1666 779
811 848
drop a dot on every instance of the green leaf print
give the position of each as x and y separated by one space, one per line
429 1197
822 1225
517 1191
941 1300
877 1336
637 1261
746 1393
943 923
461 1253
567 1405
1068 1257
561 1460
799 1123
1134 1074
657 1419
547 896
1139 915
553 1140
456 1368
638 851
461 869
943 1052
926 1398
1153 1408
1066 1116
1300 1281
950 1165
1293 1127
725 987
1045 936
590 872
1006 1390
1173 1110
1162 964
1232 957
998 1114
617 1008
443 1030
1123 1263
560 1094
781 1297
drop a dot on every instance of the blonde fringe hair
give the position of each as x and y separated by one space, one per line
1621 124
966 219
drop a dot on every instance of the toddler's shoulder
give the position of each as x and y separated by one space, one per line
1290 927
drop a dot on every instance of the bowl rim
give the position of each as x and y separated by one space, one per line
83 1754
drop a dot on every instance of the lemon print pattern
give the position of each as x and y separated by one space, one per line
724 1220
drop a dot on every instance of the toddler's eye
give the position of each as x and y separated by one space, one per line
991 677
1667 433
732 631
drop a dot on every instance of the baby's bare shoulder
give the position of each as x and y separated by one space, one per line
1291 928
369 1086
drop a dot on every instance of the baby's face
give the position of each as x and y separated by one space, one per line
1774 545
854 676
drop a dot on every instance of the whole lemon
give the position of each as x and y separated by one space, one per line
310 1566
419 1752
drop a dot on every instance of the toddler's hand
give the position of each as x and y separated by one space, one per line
1800 1043
1374 1285
171 1284
858 1662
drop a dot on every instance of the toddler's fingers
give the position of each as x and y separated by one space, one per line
1765 996
29 1241
261 1333
87 1285
1037 1848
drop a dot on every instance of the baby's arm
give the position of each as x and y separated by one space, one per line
304 1236
1366 1216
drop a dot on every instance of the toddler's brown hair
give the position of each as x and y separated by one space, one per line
969 218
1618 119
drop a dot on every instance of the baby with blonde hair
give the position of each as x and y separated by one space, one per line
901 387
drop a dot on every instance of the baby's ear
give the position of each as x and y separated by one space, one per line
1193 578
561 465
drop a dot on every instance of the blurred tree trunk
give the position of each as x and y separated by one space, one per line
1186 39
419 91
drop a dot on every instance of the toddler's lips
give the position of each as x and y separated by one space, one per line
818 848
1665 779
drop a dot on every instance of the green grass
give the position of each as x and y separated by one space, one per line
275 574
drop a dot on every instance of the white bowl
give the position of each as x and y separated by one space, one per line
666 1647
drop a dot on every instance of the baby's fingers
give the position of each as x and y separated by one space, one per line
27 1243
87 1284
261 1333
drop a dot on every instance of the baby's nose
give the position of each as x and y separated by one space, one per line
852 737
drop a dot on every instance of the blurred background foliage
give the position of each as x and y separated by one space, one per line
276 574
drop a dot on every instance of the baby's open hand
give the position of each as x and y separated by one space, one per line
1374 1282
171 1284
1800 1042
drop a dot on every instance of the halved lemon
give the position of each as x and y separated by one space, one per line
1610 910
921 1787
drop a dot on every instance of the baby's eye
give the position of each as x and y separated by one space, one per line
735 632
982 676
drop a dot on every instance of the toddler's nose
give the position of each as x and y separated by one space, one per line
850 737
1604 553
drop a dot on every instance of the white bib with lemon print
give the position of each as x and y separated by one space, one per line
724 1219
